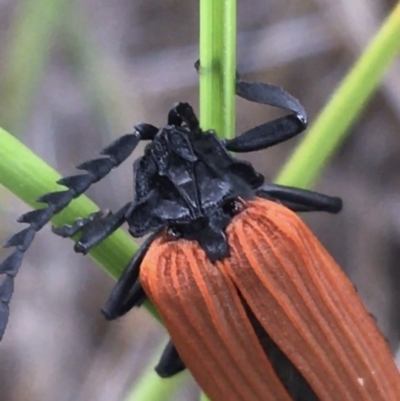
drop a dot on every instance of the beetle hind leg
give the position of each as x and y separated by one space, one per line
170 362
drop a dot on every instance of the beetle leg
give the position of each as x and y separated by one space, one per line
128 291
300 200
95 228
170 362
183 112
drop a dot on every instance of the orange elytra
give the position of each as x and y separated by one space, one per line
278 290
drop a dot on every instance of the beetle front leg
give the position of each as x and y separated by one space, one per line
95 228
80 224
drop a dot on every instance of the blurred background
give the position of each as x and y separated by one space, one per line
74 75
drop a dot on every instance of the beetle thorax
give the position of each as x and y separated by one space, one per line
186 181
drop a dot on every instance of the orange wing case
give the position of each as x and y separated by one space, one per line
279 273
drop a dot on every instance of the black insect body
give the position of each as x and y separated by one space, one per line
186 181
187 184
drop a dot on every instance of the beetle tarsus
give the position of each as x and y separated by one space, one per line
69 230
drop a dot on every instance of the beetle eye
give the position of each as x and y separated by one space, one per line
233 207
174 232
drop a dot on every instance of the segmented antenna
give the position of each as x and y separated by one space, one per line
96 170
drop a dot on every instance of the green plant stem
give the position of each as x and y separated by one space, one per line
30 38
333 123
203 397
218 66
217 69
28 177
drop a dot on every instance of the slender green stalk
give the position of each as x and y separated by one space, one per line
28 177
217 69
30 38
218 66
333 123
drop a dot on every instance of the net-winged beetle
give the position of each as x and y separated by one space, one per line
255 306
